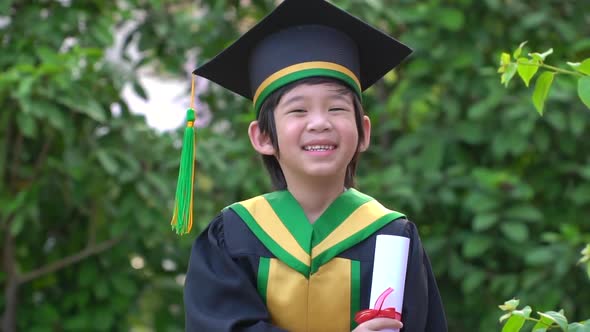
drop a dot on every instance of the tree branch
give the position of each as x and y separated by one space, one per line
7 121
14 166
67 261
8 320
92 226
42 156
555 69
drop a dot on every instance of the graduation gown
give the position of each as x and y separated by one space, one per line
260 266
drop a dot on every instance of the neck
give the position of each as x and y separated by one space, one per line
315 196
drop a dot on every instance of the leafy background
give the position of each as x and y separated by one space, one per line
501 195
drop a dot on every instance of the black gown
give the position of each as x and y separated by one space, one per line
241 277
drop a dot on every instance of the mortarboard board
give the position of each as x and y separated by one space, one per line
299 39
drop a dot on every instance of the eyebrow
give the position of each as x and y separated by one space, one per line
292 100
342 96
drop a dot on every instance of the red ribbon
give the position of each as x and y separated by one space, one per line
368 314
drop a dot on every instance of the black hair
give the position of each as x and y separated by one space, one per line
266 123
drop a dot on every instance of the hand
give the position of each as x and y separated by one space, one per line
378 324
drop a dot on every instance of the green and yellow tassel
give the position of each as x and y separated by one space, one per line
182 220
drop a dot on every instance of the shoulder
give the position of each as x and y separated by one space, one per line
230 232
400 224
248 201
363 199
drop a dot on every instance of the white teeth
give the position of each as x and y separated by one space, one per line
318 147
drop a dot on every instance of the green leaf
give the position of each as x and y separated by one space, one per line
517 52
510 71
130 168
138 88
583 67
17 225
505 316
524 312
94 110
77 323
555 317
475 246
101 289
541 56
504 62
578 124
26 124
527 68
584 90
540 256
375 4
5 6
123 285
504 58
106 320
484 221
144 190
48 314
472 281
509 305
36 108
514 323
479 202
543 324
450 18
87 275
585 254
542 87
55 117
574 65
159 184
90 107
48 55
579 327
14 203
118 229
524 212
107 161
516 232
25 86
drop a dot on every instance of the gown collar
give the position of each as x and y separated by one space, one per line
278 221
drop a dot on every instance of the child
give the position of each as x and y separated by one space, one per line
301 258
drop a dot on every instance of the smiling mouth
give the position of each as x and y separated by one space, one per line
319 147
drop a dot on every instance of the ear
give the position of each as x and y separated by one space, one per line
367 138
260 142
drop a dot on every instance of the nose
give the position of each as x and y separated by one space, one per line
319 121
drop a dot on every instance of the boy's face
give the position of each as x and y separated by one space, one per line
316 132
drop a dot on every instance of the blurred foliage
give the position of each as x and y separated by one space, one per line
528 67
501 196
83 189
517 319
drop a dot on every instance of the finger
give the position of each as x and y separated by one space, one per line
377 324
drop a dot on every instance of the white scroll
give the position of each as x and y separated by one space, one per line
389 271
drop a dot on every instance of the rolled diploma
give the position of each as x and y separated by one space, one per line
389 270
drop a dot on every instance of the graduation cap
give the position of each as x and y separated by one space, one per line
299 39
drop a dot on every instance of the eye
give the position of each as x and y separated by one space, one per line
339 109
297 111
